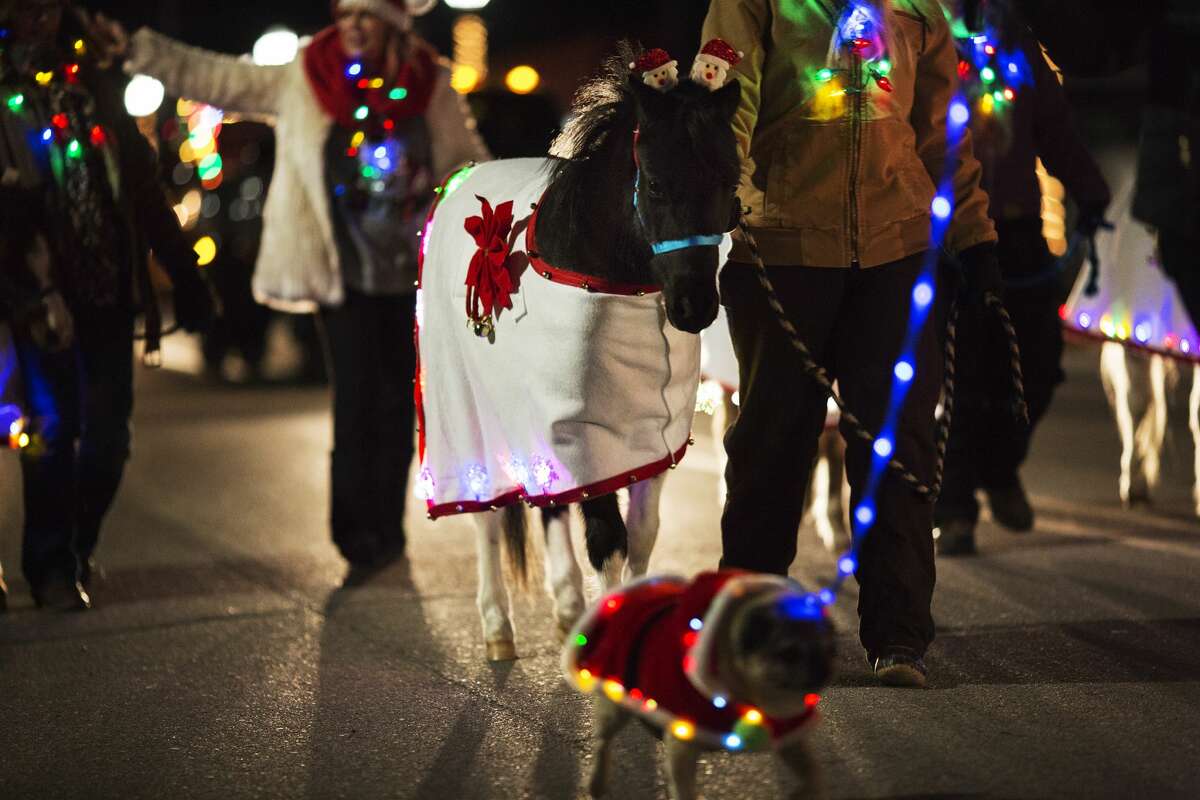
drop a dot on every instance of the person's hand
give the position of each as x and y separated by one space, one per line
52 326
981 272
195 306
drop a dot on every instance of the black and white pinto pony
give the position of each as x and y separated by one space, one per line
558 306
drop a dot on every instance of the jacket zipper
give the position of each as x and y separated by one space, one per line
855 154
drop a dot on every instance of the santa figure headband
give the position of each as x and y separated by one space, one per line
710 69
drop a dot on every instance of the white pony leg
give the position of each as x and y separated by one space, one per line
642 522
492 599
1152 430
1194 424
564 580
1114 375
827 506
723 416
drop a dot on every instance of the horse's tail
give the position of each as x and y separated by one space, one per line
515 528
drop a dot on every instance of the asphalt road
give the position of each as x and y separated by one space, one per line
225 661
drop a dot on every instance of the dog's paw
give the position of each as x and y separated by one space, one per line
501 650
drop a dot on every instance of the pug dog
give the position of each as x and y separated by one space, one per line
728 661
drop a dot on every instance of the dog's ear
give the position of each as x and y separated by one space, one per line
756 630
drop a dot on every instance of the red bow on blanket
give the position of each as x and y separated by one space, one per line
489 285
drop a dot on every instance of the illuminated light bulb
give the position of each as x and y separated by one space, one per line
381 152
477 478
990 50
636 694
1062 311
883 67
1185 346
941 207
1084 319
464 78
959 113
354 70
143 96
587 681
1122 331
74 149
847 565
614 691
696 623
964 69
883 447
904 371
97 137
275 48
43 78
825 75
1013 69
361 112
580 640
1010 95
14 429
987 104
719 701
651 704
363 83
206 251
23 439
1142 332
399 93
377 83
987 74
826 597
15 102
466 5
612 603
683 730
689 639
884 83
80 47
999 96
47 135
812 699
733 741
865 515
522 79
388 124
753 716
923 294
357 139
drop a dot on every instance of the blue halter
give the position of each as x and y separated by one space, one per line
668 245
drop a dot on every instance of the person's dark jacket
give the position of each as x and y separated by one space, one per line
1040 125
143 207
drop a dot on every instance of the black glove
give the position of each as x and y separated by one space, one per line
195 308
981 272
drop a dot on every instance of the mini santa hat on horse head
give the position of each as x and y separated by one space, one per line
395 12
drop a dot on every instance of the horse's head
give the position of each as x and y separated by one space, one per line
687 180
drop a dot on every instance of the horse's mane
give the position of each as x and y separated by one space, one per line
602 109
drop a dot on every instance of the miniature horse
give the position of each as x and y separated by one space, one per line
640 184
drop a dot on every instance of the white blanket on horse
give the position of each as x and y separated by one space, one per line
578 393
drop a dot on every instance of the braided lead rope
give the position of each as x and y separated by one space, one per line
1020 407
947 417
818 374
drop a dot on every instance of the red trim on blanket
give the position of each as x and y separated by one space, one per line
1089 336
597 489
576 279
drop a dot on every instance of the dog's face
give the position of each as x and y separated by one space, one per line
779 656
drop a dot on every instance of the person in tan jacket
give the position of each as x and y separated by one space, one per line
843 134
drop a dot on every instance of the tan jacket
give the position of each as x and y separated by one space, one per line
833 177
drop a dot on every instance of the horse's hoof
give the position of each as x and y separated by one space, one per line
501 650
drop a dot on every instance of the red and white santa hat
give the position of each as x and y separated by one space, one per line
720 50
395 12
651 60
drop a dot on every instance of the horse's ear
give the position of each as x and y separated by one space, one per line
727 98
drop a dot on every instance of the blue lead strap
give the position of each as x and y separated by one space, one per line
671 245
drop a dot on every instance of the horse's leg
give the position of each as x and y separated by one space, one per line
492 599
607 539
641 522
1194 425
563 577
1114 375
825 493
1152 430
724 415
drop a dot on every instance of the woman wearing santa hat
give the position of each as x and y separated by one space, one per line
367 126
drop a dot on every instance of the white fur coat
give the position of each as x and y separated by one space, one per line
298 266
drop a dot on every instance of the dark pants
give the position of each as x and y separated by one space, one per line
988 444
79 402
1180 254
369 340
854 322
